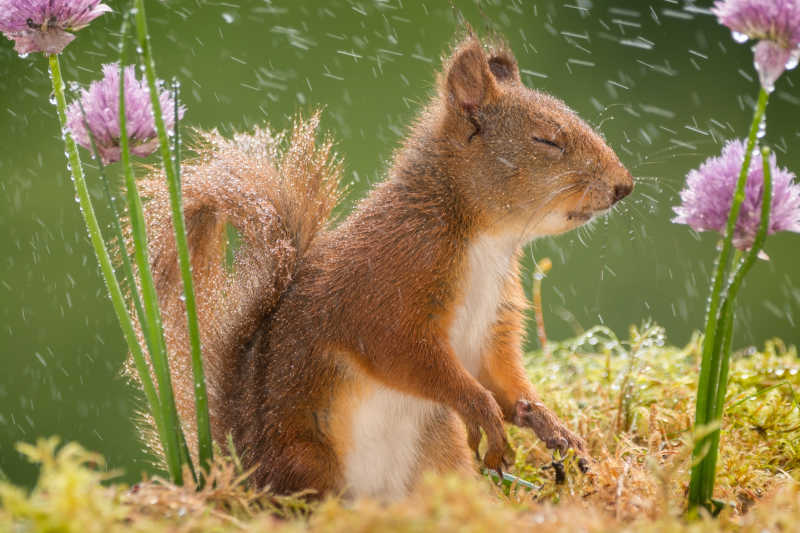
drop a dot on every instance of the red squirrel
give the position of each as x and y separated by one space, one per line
351 359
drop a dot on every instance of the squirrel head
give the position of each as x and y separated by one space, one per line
525 161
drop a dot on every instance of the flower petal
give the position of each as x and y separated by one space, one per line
51 41
101 106
706 199
770 60
46 25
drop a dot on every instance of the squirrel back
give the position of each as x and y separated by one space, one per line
353 359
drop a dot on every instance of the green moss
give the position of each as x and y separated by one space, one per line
69 495
632 400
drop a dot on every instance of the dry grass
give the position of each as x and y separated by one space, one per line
632 400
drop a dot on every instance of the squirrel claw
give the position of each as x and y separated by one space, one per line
500 477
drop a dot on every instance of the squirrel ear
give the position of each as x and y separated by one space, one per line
504 66
469 80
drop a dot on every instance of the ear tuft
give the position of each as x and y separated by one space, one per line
502 62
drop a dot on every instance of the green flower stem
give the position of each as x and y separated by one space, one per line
708 382
152 328
96 237
185 455
126 260
724 331
201 399
727 315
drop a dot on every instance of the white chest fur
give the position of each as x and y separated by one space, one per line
387 428
488 264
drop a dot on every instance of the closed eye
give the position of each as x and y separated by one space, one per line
548 143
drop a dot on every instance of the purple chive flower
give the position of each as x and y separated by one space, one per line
706 200
45 25
101 104
774 23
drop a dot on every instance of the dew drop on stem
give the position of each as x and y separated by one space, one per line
762 126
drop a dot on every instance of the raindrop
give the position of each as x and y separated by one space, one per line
740 37
227 17
793 60
762 126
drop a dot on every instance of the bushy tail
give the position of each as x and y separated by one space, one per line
253 206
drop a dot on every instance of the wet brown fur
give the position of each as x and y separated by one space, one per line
311 319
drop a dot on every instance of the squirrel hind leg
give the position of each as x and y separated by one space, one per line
443 447
305 466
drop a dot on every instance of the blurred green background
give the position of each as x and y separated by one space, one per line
662 80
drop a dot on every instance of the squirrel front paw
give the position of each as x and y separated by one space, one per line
550 430
499 454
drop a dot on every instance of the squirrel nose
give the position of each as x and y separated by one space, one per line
621 191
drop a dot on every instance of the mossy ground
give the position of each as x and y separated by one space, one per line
632 400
